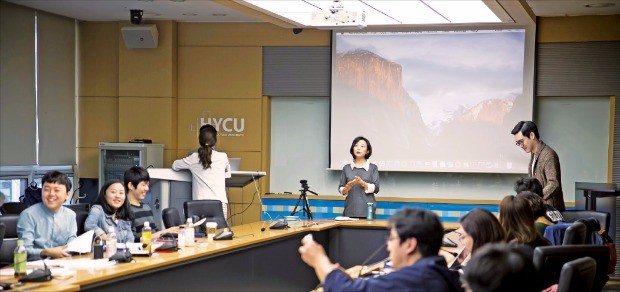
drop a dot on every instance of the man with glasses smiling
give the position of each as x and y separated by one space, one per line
544 162
413 244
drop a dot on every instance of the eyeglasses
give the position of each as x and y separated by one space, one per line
520 142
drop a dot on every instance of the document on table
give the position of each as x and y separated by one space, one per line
82 244
72 264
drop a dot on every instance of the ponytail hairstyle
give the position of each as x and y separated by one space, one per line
207 139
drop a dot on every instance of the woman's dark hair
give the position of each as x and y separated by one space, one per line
531 184
517 218
535 201
207 139
483 227
123 212
357 139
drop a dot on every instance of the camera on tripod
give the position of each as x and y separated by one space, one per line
303 199
304 184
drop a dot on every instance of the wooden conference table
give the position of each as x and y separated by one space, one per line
253 260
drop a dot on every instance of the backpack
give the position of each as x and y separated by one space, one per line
32 195
613 257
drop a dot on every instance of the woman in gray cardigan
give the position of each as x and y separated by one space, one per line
359 181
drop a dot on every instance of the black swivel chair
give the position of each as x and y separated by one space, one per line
9 241
574 215
577 275
211 209
2 229
171 217
80 219
549 261
13 208
575 234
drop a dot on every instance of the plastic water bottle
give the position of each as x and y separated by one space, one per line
110 243
181 237
19 259
370 213
146 237
189 233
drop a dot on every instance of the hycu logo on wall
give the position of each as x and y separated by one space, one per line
226 127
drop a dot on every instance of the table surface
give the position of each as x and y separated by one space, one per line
245 235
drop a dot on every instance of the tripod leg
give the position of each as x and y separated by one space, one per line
297 205
307 208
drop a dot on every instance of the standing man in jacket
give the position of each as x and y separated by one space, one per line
544 163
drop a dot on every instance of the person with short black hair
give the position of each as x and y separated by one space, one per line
359 180
111 209
413 245
47 227
544 163
532 184
137 181
501 267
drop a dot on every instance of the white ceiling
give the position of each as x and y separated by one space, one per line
212 11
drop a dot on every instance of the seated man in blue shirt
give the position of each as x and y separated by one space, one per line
47 227
413 244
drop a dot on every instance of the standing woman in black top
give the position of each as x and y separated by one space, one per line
359 181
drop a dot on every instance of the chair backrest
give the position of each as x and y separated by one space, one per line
79 207
80 219
13 207
9 241
211 209
577 275
171 217
549 261
603 218
575 234
2 229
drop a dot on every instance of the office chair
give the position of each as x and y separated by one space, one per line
549 261
79 207
80 219
577 275
575 234
13 207
9 241
171 217
574 215
211 209
2 229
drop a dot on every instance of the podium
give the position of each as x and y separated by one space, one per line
169 188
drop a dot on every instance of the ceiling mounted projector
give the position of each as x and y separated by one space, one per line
338 18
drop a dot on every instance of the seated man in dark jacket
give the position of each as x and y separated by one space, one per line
414 243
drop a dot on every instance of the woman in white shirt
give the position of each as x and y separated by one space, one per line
209 169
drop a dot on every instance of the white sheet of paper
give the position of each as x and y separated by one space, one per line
82 244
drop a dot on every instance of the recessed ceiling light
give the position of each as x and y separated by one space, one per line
600 5
177 0
219 14
190 14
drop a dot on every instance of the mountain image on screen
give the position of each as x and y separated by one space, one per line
427 114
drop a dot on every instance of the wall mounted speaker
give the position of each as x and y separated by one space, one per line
140 36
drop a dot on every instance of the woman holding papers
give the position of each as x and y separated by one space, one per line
209 169
111 209
359 181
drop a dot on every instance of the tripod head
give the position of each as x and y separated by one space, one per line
305 188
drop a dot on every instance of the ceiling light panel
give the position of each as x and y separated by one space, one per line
463 11
298 11
373 17
407 12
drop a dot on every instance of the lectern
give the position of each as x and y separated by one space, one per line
171 188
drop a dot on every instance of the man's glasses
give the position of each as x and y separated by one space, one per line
520 142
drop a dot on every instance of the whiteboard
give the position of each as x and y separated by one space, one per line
577 128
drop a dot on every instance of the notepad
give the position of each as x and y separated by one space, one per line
343 218
82 244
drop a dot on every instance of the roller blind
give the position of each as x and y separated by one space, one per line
56 89
17 86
